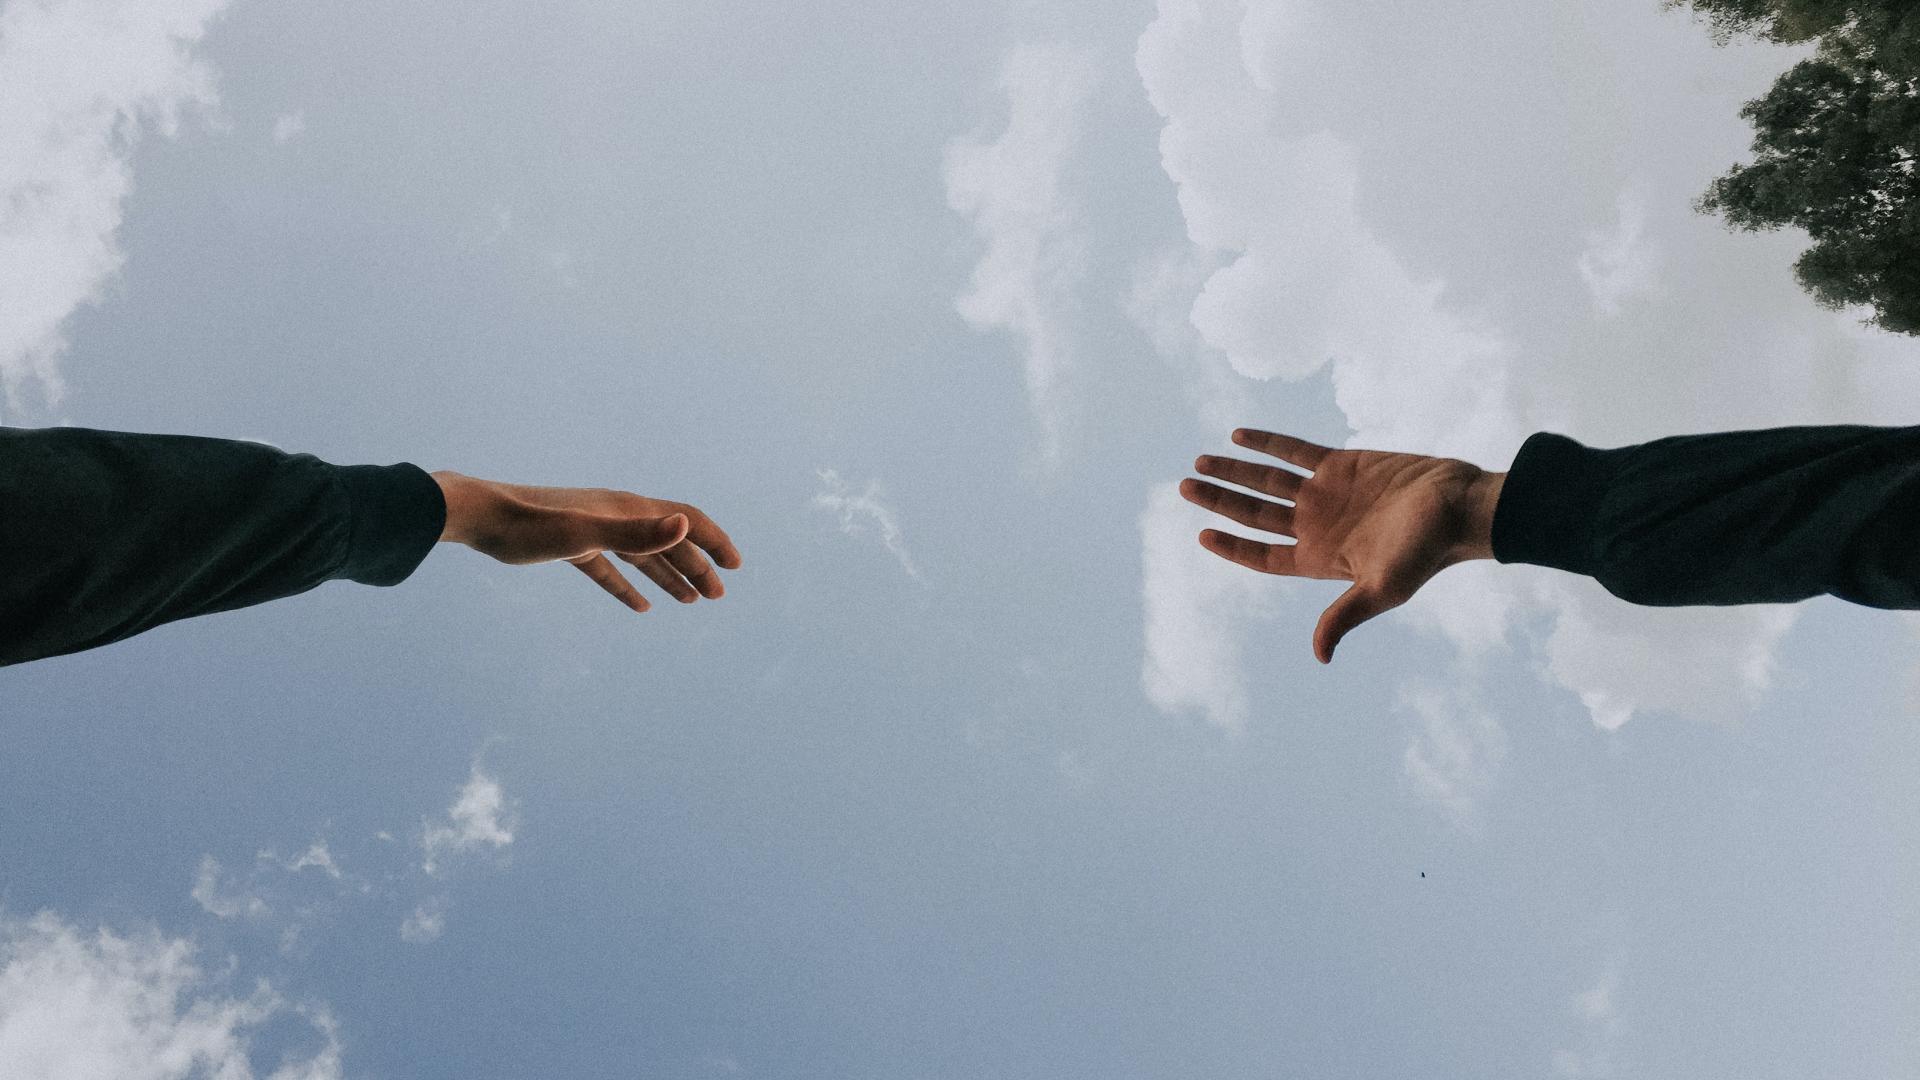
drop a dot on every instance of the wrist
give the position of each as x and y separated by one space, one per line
465 497
1477 503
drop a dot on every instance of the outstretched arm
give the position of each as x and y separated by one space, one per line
107 534
1739 517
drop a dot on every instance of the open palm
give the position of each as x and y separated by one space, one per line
1387 522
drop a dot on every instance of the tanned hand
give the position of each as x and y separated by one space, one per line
1385 522
669 542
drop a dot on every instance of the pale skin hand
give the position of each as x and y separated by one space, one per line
669 542
1385 522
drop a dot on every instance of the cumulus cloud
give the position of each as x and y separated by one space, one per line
1705 663
865 511
1620 262
1163 288
1010 186
80 1004
1199 609
480 819
80 82
1295 281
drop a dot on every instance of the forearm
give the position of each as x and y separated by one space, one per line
1770 516
106 534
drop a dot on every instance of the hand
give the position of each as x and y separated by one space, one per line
1386 522
517 523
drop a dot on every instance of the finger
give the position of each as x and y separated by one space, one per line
1353 607
1266 558
693 566
713 538
642 536
665 576
1277 482
1255 513
1299 451
607 577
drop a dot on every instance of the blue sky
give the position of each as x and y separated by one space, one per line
982 768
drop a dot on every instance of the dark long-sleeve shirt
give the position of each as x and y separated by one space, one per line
1738 517
105 534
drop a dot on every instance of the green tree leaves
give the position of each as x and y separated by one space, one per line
1836 143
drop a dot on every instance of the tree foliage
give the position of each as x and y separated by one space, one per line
1890 29
1835 145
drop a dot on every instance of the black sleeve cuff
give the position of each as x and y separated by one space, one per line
1550 503
398 513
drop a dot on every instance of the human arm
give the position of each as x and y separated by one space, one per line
107 534
1768 516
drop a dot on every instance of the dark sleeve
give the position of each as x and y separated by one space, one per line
105 534
1738 517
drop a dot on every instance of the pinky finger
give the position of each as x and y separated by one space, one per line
604 574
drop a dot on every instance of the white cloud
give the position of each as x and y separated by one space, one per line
317 857
1198 609
1162 293
80 82
1623 262
1011 189
78 1005
426 922
230 895
1702 662
480 818
1598 1014
867 510
289 127
1301 283
286 895
225 902
1456 751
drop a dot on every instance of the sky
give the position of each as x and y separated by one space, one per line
982 768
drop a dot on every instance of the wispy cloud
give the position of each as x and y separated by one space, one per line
271 884
480 819
287 894
1620 262
1010 186
288 127
225 900
1597 1011
80 82
1456 749
426 922
867 511
86 1004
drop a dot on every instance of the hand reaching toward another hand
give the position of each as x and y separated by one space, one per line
1386 522
669 542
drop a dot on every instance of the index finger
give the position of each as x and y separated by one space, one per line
712 539
1299 451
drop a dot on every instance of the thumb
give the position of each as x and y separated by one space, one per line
644 536
1355 606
